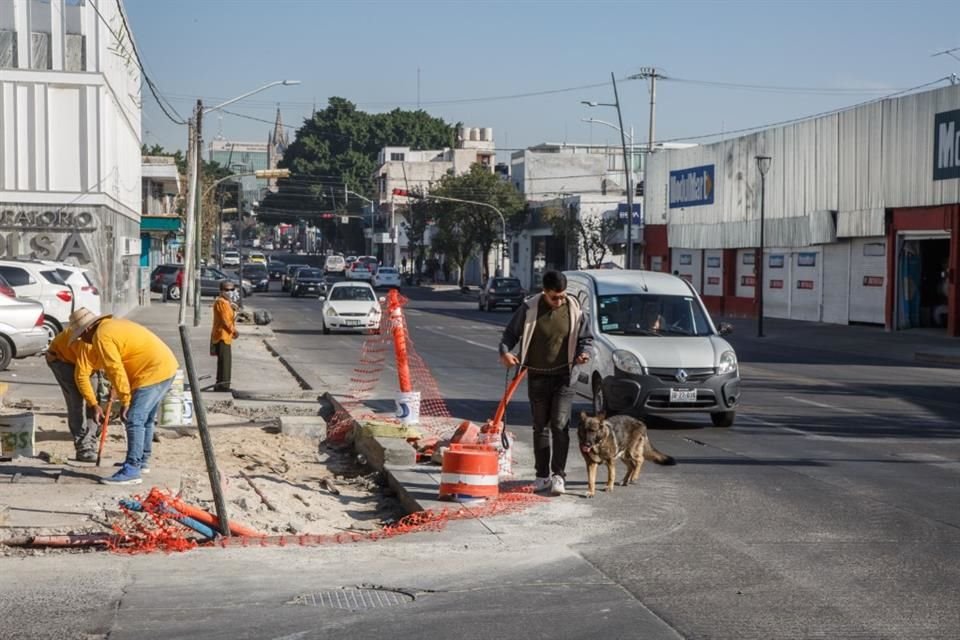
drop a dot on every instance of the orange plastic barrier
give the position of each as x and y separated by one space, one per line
469 471
466 433
399 328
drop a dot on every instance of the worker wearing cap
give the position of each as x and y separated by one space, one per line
223 333
62 357
141 368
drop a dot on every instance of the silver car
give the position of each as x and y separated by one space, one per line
21 329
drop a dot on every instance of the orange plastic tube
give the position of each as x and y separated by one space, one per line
206 518
399 340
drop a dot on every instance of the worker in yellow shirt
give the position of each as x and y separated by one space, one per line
62 356
222 334
141 368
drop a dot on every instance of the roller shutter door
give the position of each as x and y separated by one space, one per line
745 273
868 279
777 267
713 272
836 282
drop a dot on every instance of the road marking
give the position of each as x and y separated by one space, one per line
476 344
820 436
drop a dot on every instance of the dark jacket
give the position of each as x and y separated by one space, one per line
521 325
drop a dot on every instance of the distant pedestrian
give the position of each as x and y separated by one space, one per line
223 333
553 336
141 368
62 357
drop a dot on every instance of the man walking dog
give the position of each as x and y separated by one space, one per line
141 369
553 336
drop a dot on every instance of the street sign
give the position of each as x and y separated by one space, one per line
637 213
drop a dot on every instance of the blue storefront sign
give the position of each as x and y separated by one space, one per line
691 187
637 213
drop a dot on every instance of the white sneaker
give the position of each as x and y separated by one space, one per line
557 486
541 484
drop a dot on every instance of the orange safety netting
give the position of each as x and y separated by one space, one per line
157 527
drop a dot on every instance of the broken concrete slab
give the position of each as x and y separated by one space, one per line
379 452
304 426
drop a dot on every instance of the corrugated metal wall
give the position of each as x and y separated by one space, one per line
855 163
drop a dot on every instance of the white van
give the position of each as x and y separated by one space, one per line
655 348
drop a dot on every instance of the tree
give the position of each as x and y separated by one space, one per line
586 236
418 220
337 149
479 226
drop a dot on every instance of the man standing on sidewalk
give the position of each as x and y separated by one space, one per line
62 357
141 369
222 335
553 336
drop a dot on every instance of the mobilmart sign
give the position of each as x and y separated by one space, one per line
691 187
946 145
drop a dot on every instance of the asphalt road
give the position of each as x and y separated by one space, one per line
829 510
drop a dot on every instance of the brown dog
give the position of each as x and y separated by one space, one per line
603 440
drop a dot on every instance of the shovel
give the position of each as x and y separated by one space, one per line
103 428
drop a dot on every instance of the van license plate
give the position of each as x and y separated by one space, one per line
683 395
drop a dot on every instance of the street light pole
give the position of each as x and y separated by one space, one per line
763 165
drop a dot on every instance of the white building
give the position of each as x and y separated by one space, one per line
412 170
70 172
860 216
160 221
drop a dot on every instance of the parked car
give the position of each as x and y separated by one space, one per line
231 258
655 348
210 279
258 275
22 331
276 269
388 277
334 264
288 276
163 275
82 283
501 292
350 306
34 280
308 281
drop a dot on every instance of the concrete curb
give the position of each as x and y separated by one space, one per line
937 358
300 379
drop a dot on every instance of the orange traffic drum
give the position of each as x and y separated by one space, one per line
469 472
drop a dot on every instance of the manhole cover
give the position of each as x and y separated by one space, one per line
354 598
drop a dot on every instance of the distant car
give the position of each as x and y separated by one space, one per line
256 257
387 277
501 292
210 279
276 269
288 276
334 264
350 306
231 258
350 260
22 331
268 246
43 283
360 270
258 276
308 281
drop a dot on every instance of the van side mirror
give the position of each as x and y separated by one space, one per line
725 328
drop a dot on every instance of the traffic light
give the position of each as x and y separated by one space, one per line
326 216
271 174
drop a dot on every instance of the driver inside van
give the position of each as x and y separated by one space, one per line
652 320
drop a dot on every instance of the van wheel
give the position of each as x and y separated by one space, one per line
599 400
723 419
6 353
52 327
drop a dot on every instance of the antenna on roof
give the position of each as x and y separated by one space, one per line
643 282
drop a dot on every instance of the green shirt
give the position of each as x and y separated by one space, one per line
548 345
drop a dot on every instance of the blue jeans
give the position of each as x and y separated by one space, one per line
141 417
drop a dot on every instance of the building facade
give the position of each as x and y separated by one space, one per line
70 172
860 210
160 222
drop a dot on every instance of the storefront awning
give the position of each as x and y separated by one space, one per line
159 224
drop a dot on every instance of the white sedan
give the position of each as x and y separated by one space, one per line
387 277
350 306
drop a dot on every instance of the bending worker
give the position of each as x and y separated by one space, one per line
62 356
141 368
223 334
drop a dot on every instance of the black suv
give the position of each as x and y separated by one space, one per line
501 292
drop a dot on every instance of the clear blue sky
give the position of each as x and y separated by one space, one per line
368 52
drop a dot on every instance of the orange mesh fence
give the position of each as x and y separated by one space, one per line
157 527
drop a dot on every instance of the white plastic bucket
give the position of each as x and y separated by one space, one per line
171 411
504 459
408 407
177 385
187 417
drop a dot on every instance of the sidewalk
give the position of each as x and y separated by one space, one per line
265 435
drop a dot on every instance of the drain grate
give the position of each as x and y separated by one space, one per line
354 598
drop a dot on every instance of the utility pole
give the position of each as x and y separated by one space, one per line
652 74
191 221
198 228
627 170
